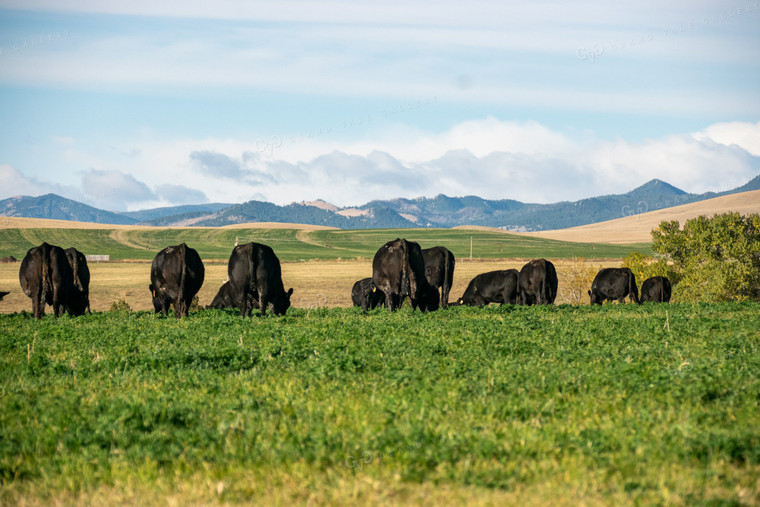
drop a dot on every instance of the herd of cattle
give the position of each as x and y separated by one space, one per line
400 269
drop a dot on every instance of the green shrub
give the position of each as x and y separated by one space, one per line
647 266
717 259
120 306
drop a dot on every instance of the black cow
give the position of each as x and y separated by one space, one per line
439 270
365 294
3 294
612 284
45 276
656 289
500 286
538 283
81 272
226 297
176 276
254 270
398 270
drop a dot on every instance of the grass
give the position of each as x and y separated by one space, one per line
619 404
292 245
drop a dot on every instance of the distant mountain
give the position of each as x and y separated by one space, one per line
59 208
148 215
753 184
439 211
258 211
443 211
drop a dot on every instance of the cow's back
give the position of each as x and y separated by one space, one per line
46 276
254 268
656 289
538 282
388 267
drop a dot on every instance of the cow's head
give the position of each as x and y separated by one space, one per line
77 303
430 299
594 297
281 304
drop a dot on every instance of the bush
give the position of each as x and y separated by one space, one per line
195 304
120 306
717 259
579 276
646 266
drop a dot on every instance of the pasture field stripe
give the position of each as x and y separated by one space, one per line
619 404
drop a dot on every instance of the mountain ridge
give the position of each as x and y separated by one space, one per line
440 211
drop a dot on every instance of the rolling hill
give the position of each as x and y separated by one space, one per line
636 228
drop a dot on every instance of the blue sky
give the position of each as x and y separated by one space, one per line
141 104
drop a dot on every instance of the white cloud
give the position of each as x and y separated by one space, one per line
743 135
490 158
13 183
180 194
114 190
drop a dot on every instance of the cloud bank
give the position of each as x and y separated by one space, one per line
490 158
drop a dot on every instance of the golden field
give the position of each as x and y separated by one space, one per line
315 283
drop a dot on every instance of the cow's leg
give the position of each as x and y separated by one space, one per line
178 307
243 303
392 301
263 303
56 303
264 298
38 306
445 289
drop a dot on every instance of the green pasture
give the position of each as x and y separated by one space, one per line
620 404
292 245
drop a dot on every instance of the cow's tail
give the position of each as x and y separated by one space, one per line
633 290
46 284
184 306
662 291
405 289
543 290
446 270
75 267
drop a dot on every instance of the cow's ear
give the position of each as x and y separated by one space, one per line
290 291
589 293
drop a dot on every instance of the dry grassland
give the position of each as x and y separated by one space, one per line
637 228
315 283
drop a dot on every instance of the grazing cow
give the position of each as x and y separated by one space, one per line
3 294
255 272
81 272
538 283
176 276
365 294
612 284
398 270
500 286
656 289
226 297
439 270
46 277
